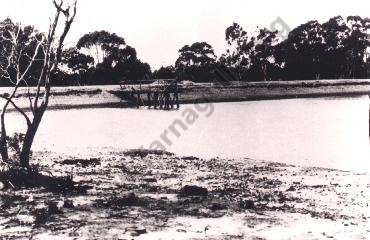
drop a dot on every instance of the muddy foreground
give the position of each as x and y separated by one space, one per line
153 195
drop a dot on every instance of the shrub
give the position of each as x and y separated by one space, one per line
15 144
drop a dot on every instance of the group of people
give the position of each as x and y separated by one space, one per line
166 100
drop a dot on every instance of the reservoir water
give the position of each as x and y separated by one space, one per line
322 132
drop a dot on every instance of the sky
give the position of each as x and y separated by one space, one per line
157 29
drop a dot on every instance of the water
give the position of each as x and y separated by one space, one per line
314 132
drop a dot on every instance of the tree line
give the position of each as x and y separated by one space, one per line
336 49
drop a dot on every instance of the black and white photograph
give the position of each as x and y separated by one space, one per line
184 120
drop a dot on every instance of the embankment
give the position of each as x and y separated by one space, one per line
113 95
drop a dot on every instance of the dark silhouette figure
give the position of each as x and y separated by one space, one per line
166 100
156 99
149 100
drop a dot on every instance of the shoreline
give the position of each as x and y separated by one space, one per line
81 97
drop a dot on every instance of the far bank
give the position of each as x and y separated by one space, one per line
115 96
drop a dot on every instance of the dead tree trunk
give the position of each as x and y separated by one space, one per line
3 142
28 140
48 71
52 50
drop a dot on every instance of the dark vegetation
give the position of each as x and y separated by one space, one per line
15 176
336 49
18 178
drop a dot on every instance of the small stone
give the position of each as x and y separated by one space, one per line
149 180
135 231
134 234
217 206
68 204
2 186
194 191
82 162
41 216
291 189
140 231
128 198
130 229
246 204
53 208
190 158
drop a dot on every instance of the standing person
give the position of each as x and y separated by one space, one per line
149 100
155 99
172 101
138 100
161 99
166 100
176 94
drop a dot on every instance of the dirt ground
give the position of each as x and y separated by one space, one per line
155 195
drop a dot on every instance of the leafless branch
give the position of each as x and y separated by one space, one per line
29 96
8 99
13 68
67 27
31 62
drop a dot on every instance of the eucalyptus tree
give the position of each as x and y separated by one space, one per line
167 72
334 60
77 63
262 56
357 45
238 55
301 55
196 62
76 60
100 44
198 54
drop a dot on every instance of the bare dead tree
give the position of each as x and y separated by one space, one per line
13 56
